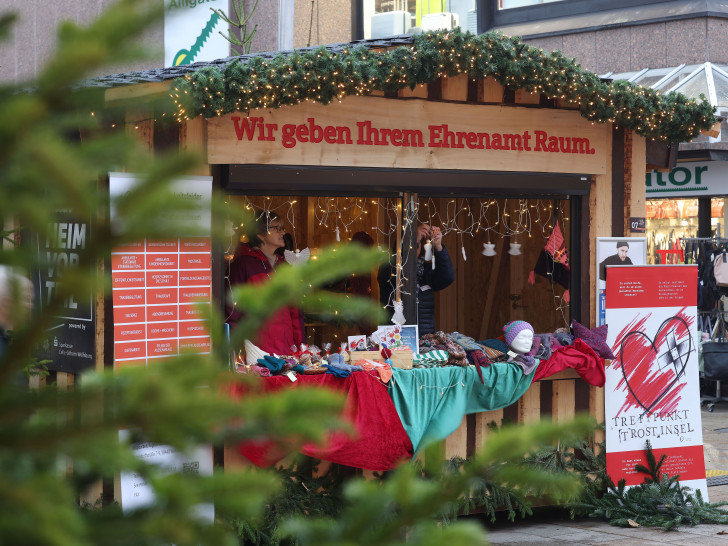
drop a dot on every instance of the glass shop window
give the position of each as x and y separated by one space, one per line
385 18
668 221
510 4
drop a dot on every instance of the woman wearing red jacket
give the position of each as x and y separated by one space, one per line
255 262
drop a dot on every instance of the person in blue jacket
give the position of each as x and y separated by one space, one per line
429 280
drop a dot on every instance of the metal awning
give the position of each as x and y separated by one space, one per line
691 80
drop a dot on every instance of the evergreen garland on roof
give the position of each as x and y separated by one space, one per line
325 76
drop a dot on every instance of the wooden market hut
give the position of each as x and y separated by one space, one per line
445 116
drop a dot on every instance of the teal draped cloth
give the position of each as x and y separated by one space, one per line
431 402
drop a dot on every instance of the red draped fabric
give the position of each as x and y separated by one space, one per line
579 357
380 442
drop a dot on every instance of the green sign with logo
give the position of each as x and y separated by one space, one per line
689 180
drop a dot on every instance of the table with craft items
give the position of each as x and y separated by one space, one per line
394 421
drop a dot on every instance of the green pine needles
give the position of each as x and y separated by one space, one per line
660 501
324 76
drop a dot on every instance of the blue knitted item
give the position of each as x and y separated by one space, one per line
274 364
336 371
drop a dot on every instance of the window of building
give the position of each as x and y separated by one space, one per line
510 4
385 18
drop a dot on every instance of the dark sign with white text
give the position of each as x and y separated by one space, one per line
70 344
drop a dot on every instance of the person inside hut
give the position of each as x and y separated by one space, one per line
430 278
254 262
620 258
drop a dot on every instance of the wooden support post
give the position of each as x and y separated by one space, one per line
233 460
409 245
517 278
140 125
482 422
456 445
193 139
529 405
563 402
490 298
596 410
36 382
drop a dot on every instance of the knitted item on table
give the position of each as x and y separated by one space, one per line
535 346
347 367
544 350
335 359
527 363
596 338
259 370
275 365
495 344
467 343
314 370
563 338
441 340
336 371
430 359
342 369
479 359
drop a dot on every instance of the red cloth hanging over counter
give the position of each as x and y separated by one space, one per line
580 357
381 442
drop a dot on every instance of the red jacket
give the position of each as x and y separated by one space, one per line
284 328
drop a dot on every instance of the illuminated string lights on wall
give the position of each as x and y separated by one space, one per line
324 76
483 220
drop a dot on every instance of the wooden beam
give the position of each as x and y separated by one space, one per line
482 422
490 90
419 92
596 410
140 125
455 87
137 91
714 130
524 97
492 285
193 139
456 445
529 405
563 400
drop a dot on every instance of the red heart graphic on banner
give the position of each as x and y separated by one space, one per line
654 368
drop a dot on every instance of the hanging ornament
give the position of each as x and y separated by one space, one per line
465 257
428 250
488 249
338 239
515 249
298 257
398 316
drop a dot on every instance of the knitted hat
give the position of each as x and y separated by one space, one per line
513 328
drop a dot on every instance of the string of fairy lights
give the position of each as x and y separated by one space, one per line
481 219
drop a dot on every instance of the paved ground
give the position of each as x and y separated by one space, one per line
554 527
